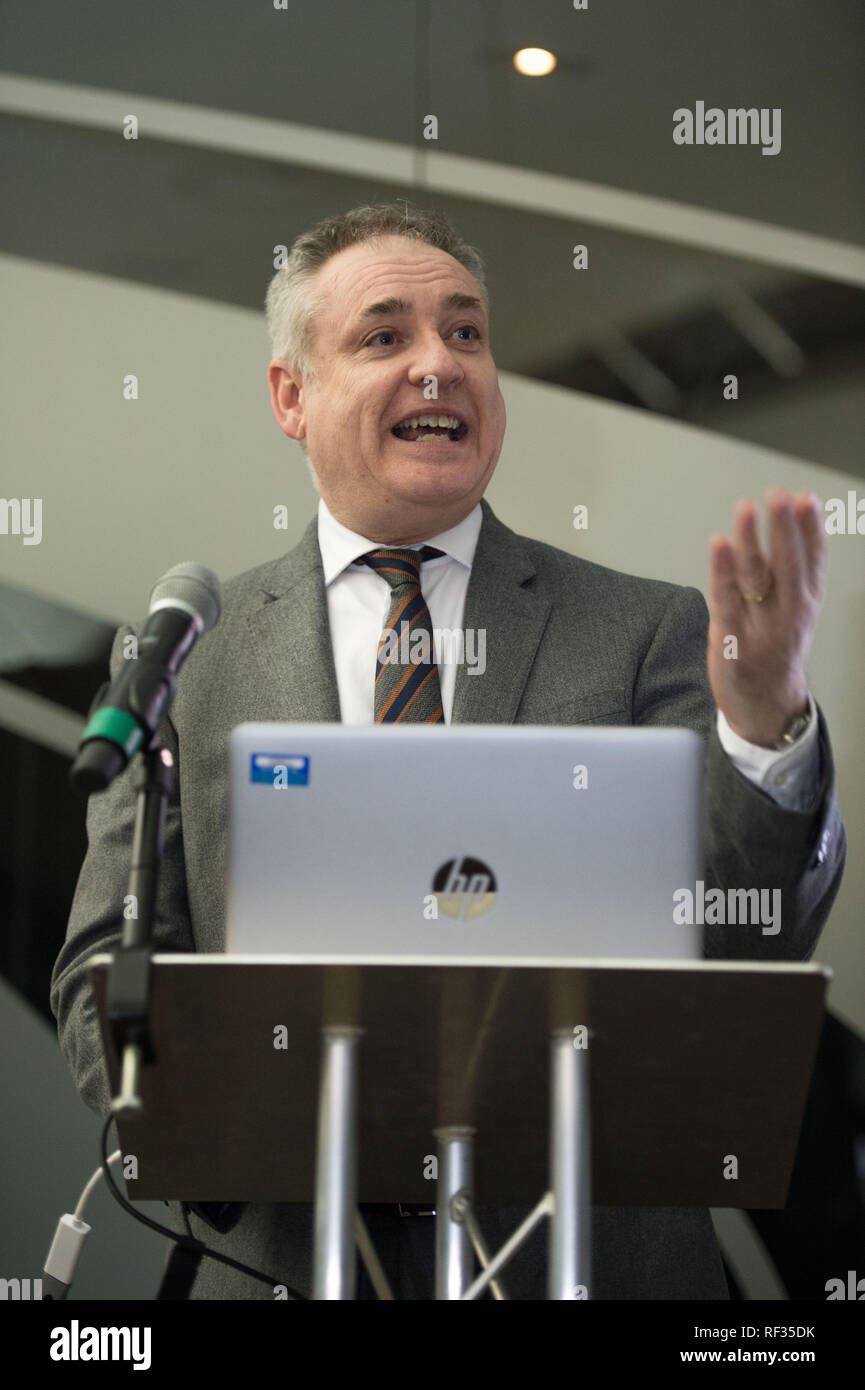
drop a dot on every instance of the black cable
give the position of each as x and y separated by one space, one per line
188 1244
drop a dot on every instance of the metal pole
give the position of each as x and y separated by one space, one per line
372 1263
336 1167
455 1175
570 1176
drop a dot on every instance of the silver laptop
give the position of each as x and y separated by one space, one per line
472 842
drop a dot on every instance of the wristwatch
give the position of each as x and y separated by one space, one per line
794 730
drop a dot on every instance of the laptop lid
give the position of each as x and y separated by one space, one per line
467 842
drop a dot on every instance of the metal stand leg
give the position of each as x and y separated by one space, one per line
453 1246
508 1250
336 1167
570 1179
371 1261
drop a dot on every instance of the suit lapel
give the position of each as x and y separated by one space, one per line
502 600
290 634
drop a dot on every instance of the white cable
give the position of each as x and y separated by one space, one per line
62 1258
85 1196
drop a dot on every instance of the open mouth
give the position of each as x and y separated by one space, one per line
416 428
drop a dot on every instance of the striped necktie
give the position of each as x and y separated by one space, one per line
407 689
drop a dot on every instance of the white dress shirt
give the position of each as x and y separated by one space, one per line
358 601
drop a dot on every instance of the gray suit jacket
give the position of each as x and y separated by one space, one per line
568 642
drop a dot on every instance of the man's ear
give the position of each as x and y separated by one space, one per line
286 398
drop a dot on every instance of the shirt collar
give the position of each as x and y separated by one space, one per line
340 547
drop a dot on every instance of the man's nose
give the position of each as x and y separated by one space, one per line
434 357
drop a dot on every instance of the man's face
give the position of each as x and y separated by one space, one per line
400 316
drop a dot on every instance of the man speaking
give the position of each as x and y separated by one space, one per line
383 370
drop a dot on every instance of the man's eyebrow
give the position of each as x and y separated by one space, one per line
383 308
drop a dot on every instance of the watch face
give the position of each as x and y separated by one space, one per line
795 729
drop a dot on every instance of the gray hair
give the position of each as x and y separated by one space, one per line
292 305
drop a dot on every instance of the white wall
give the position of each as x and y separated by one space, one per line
194 468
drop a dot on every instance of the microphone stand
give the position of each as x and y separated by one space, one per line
128 987
128 990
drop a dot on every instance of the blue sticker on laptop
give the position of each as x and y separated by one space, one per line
279 769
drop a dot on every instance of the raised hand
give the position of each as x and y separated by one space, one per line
770 606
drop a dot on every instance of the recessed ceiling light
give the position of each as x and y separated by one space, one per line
534 62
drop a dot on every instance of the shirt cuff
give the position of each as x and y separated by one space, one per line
791 776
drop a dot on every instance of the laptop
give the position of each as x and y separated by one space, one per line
473 843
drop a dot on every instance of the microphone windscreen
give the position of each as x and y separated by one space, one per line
193 586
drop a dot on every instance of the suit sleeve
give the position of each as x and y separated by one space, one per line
96 918
750 841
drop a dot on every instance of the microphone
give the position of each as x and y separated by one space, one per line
185 603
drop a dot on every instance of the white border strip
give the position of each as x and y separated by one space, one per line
718 967
39 719
478 180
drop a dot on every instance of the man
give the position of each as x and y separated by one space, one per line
383 370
